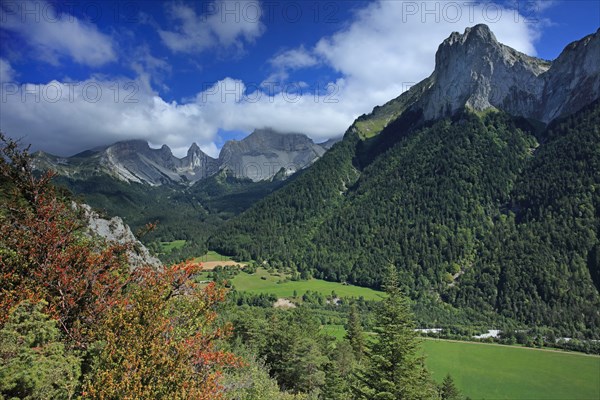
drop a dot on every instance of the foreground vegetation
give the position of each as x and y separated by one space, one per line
76 320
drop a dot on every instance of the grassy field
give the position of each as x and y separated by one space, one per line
484 371
167 247
489 371
253 283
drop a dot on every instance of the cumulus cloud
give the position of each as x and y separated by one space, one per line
223 24
64 118
386 48
290 60
53 36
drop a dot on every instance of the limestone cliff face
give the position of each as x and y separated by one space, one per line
474 70
135 161
574 79
116 231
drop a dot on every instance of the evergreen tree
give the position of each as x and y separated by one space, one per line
339 373
34 363
394 369
354 333
448 391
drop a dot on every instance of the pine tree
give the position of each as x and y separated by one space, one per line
394 370
354 333
448 391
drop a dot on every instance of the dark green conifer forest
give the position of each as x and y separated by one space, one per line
486 211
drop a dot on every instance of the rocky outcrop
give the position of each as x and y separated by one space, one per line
574 79
116 231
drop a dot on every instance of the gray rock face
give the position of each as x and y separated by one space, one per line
260 156
265 152
135 161
574 79
116 231
474 70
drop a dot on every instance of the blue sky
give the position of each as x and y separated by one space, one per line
76 75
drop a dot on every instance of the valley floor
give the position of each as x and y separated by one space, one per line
490 371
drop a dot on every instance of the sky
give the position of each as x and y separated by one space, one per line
75 75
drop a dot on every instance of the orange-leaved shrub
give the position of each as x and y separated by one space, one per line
143 334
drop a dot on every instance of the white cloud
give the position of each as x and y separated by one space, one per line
220 24
294 59
150 69
7 73
290 60
53 36
377 57
65 118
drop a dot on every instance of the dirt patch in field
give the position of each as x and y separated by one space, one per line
283 303
210 265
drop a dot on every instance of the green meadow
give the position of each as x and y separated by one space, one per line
487 371
264 282
480 370
490 371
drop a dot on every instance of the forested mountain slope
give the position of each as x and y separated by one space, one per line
477 207
473 208
540 261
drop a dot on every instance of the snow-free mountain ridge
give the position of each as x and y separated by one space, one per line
259 156
473 70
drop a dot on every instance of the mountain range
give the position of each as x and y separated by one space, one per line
480 184
259 156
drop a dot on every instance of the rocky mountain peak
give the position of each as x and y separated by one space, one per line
259 156
269 139
574 79
480 34
166 150
264 152
194 149
474 70
134 146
